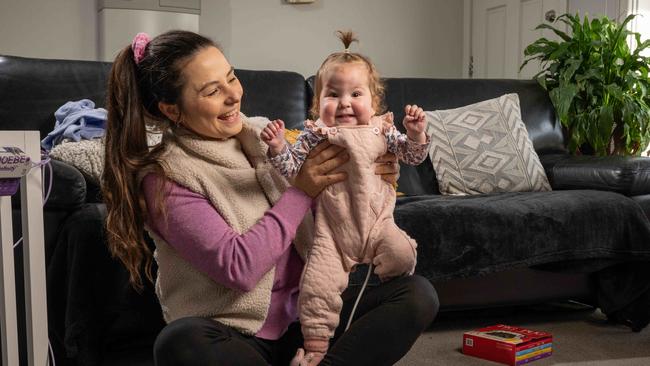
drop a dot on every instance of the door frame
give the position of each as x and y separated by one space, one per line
625 7
467 37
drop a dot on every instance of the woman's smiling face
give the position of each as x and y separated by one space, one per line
211 96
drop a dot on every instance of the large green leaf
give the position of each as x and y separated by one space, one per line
595 81
589 74
561 34
605 122
641 46
615 91
571 66
562 97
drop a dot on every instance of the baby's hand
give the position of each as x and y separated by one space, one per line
273 135
414 122
306 359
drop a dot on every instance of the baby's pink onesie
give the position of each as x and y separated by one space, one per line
354 224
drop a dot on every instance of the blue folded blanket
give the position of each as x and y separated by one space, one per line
75 121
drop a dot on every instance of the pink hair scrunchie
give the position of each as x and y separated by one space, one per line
138 45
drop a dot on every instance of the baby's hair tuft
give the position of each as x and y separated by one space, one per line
347 37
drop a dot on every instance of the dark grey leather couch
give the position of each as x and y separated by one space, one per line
95 318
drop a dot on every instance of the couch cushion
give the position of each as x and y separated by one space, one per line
484 148
32 89
63 185
644 202
92 308
464 236
537 111
68 188
624 174
275 95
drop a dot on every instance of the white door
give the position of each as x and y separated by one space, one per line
501 30
613 9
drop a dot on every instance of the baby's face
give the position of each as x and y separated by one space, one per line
346 99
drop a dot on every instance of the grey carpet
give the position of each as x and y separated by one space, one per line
581 337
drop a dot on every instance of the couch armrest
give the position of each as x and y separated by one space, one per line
628 175
68 189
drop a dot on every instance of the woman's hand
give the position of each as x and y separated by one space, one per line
388 168
316 172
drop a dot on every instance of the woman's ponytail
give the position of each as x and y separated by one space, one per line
125 154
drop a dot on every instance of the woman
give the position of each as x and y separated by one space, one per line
230 232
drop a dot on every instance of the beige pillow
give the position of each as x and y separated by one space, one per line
88 155
85 155
484 148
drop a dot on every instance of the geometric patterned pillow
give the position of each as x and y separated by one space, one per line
484 148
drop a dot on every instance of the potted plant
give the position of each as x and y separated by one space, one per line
598 85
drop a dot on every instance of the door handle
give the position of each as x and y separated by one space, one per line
550 16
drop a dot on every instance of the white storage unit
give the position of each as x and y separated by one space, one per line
33 242
119 20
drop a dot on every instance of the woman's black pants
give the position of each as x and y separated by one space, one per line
389 318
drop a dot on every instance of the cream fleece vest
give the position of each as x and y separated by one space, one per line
234 175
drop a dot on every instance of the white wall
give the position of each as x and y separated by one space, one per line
116 27
415 38
64 29
641 23
614 9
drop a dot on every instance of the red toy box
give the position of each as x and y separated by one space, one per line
507 344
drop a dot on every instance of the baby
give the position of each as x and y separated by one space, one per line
354 218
